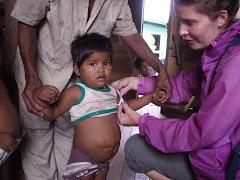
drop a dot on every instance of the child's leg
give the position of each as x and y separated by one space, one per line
80 164
102 174
89 177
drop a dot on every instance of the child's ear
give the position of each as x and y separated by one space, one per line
76 69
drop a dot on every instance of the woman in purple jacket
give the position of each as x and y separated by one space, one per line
202 146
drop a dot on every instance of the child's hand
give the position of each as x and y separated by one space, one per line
46 93
7 142
160 97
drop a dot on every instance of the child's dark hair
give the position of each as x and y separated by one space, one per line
137 63
83 46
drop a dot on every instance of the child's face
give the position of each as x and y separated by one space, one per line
96 70
146 69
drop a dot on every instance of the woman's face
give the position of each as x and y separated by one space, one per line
197 29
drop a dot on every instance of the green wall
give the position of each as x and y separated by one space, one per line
157 28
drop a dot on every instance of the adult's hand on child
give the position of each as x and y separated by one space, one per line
126 84
46 93
27 95
161 97
163 90
7 142
129 117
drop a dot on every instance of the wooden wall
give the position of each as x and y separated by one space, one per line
123 56
11 32
179 55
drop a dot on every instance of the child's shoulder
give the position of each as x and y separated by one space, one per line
73 91
74 88
79 86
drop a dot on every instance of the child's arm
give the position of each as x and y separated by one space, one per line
137 103
66 100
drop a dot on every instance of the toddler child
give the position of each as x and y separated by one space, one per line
144 68
92 105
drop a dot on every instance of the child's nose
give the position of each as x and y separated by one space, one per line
149 67
101 68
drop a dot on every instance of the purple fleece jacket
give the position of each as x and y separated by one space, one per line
210 135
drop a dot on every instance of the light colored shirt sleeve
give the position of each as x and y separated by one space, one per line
124 25
30 12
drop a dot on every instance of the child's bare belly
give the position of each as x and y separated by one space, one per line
9 119
99 138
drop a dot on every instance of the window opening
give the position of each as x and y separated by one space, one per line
155 19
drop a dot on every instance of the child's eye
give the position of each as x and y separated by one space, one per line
107 63
92 64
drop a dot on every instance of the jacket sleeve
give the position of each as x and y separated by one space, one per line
185 85
215 124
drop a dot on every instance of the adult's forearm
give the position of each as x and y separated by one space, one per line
139 46
27 40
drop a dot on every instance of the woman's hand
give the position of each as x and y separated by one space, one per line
129 117
126 84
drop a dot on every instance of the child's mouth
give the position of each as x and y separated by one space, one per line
101 78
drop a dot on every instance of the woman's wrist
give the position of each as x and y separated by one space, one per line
141 123
134 83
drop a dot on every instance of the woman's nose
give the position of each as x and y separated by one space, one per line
182 30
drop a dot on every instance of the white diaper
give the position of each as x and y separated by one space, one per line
4 155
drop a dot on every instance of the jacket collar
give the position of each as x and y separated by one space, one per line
216 48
